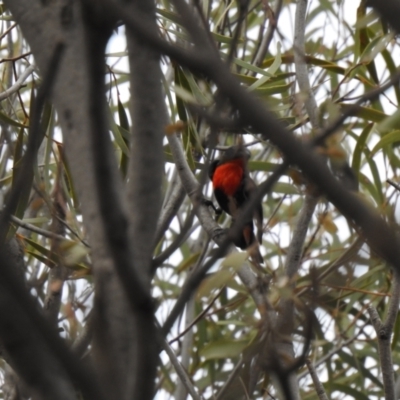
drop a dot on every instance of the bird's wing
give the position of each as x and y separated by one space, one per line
225 202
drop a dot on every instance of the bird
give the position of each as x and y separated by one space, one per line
233 187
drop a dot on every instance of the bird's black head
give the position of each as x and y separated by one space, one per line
235 152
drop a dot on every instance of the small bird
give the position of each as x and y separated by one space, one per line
232 188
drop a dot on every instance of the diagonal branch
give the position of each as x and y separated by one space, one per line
319 389
18 83
301 66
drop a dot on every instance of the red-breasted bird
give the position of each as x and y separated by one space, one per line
232 189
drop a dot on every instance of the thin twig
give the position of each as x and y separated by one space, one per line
232 376
183 375
33 228
301 66
18 84
385 353
7 31
266 40
198 317
170 209
334 351
12 59
186 349
317 383
394 184
73 233
183 234
295 251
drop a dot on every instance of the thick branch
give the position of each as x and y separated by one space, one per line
149 119
24 331
42 371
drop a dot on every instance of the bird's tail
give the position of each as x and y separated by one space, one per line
247 241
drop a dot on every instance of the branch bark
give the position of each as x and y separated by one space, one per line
81 110
301 66
317 383
18 83
384 331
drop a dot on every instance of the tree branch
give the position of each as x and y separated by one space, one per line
187 347
384 331
149 119
301 66
295 250
184 378
33 228
317 383
132 263
18 84
170 209
385 353
266 40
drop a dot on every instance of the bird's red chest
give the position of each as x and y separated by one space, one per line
228 177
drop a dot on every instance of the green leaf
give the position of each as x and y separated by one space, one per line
9 121
374 47
253 68
270 72
123 124
285 188
42 250
187 262
46 261
324 64
123 117
119 139
235 260
390 138
277 89
214 281
360 146
366 113
391 66
389 123
223 348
